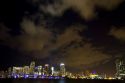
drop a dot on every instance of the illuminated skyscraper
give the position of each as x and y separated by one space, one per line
17 71
62 69
52 70
40 70
46 69
26 69
32 67
9 72
120 68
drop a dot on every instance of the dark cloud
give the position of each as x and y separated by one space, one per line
86 8
33 38
118 33
47 36
4 32
85 56
70 34
36 41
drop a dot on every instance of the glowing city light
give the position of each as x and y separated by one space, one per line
61 64
52 68
46 64
49 72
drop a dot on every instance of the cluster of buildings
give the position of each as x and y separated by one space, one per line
50 72
33 71
45 72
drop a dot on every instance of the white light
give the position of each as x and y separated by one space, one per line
40 73
62 64
52 68
46 64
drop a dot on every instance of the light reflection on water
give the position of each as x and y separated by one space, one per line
62 81
59 81
39 81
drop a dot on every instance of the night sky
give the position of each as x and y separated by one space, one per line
84 34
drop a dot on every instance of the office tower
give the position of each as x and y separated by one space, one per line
14 70
120 68
17 71
62 69
46 69
2 74
40 70
32 67
9 72
52 70
26 69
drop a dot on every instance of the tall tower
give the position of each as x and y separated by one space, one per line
62 69
9 72
40 70
32 67
46 69
52 70
120 68
26 69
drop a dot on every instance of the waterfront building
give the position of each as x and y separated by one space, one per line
62 69
32 67
9 72
52 70
120 68
46 69
40 70
26 69
17 72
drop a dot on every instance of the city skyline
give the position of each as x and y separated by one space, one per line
83 34
45 70
48 71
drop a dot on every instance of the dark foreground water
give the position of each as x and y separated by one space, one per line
58 81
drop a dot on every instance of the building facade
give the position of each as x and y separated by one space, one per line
120 68
62 69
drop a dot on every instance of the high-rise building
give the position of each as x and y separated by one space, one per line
52 70
9 72
40 70
120 68
17 71
26 69
32 67
46 69
62 69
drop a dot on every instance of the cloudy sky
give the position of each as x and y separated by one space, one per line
84 34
